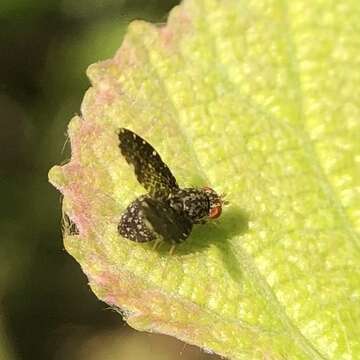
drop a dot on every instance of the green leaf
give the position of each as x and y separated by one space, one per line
259 100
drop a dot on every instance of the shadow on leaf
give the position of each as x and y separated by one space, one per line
233 222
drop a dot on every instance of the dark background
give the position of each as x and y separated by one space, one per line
47 311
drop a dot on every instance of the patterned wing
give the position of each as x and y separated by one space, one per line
172 226
147 219
150 170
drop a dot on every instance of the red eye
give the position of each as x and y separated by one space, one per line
215 212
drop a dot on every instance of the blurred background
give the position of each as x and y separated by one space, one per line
47 311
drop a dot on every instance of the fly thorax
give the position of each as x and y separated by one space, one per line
194 203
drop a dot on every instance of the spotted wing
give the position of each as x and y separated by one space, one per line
170 225
147 219
150 170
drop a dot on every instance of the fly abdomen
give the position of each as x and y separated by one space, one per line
133 225
147 219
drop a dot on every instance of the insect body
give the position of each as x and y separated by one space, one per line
167 212
147 219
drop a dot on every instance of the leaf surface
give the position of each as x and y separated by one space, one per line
256 99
